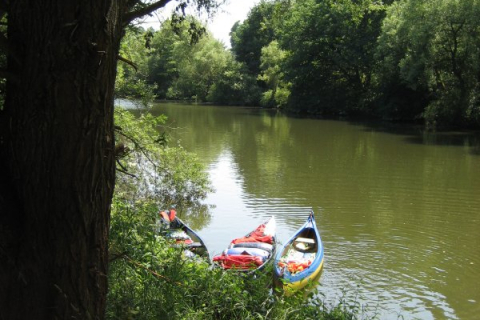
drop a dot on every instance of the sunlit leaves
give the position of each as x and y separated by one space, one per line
272 66
434 44
248 38
132 69
149 169
331 53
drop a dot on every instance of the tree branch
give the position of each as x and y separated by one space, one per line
130 16
123 170
113 257
138 146
128 62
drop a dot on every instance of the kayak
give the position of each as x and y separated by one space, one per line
251 252
299 262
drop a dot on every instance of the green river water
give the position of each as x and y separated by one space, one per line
398 208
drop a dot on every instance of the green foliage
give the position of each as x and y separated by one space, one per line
170 47
432 46
272 65
399 60
206 63
331 54
150 170
234 86
257 31
201 71
132 70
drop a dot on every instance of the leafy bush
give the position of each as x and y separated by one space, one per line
149 169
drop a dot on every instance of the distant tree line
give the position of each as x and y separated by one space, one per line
173 65
397 60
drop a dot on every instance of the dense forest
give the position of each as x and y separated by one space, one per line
413 61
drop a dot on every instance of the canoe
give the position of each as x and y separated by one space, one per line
299 261
183 236
251 252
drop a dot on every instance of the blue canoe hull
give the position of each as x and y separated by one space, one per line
297 267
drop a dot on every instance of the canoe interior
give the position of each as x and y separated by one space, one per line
252 246
300 262
187 239
304 242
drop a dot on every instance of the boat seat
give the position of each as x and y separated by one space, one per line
178 234
249 251
195 245
259 245
304 244
305 240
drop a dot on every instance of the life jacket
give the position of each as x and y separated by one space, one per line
257 235
168 216
294 267
165 216
172 214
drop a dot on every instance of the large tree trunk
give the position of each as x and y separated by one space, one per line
58 179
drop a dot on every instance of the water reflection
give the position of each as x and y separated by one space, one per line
197 216
399 212
470 140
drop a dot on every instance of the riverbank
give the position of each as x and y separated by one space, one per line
149 279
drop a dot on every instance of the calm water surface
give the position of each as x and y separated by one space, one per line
398 209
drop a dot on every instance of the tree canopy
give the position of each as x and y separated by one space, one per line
396 60
432 46
171 66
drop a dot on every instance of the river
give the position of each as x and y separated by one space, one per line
398 208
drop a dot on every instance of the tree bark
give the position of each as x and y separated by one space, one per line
57 145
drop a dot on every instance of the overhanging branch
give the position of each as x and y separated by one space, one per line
134 66
130 16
